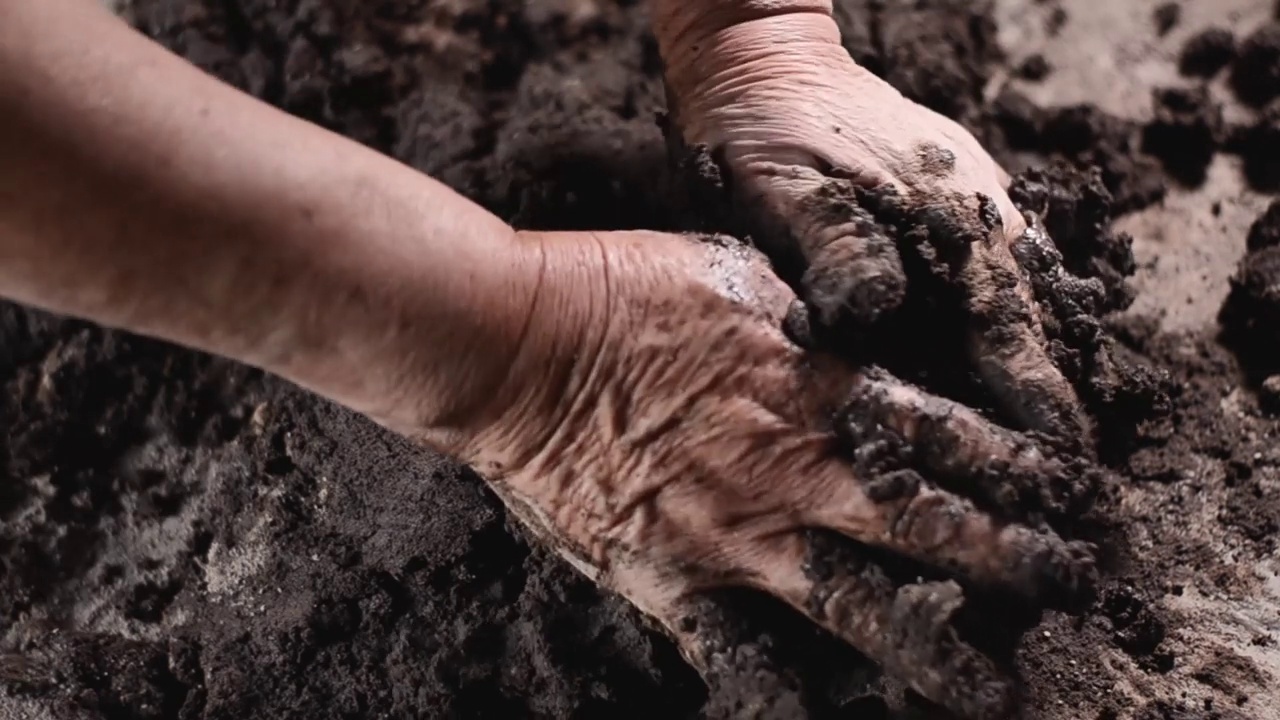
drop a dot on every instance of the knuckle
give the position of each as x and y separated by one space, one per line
927 520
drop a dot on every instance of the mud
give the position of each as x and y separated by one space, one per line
182 537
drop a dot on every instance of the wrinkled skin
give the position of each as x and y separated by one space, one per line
655 424
682 443
688 444
799 129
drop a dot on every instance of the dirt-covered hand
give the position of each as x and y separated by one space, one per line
821 156
661 432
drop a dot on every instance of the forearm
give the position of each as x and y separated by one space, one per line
137 192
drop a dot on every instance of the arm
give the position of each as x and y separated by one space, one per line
632 398
138 192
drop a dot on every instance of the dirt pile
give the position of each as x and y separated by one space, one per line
181 537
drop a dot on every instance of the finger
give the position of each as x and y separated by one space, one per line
847 265
887 421
1008 343
734 660
907 630
902 512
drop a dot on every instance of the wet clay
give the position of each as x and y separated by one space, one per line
182 537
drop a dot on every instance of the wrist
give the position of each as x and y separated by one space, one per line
713 50
563 320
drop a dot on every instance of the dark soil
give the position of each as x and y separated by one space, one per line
1207 52
1255 74
1083 134
1035 68
1185 133
1251 316
1258 145
183 537
1166 17
1265 231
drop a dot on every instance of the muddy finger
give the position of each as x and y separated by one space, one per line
845 263
1009 345
907 629
853 269
889 424
733 659
902 512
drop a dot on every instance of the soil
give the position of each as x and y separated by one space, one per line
1185 133
1207 53
1166 17
1255 75
183 537
1034 68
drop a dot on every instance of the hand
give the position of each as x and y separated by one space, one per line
822 155
662 433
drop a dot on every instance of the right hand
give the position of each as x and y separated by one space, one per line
803 134
662 433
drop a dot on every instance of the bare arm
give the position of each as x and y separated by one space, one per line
140 193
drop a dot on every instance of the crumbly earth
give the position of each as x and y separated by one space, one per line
183 537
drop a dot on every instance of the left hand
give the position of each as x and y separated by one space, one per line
660 431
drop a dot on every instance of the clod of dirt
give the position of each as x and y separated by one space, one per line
1166 17
1251 315
1269 395
1207 52
1076 209
1020 119
1255 74
936 52
1056 21
1090 136
1185 132
1258 145
1087 136
1139 626
1035 68
1265 231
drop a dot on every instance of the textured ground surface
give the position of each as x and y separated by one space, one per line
181 537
